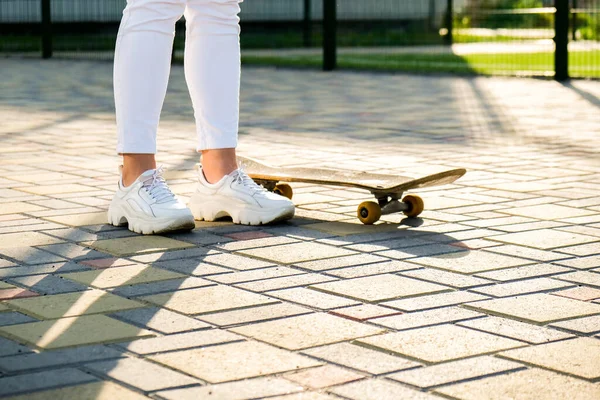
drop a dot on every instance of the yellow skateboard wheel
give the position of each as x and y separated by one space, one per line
369 212
283 189
416 205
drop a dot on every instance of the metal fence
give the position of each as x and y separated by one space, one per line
553 38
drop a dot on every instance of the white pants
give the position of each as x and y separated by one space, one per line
212 70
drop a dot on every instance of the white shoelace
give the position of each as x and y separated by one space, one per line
243 179
156 185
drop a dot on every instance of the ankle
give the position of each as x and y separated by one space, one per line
135 165
218 163
128 176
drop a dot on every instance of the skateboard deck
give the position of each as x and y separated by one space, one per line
386 188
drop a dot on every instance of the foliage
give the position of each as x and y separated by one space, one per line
485 14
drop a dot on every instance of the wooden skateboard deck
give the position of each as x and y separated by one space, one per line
386 188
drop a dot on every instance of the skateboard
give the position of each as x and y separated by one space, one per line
387 189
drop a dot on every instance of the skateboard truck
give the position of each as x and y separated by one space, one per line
369 212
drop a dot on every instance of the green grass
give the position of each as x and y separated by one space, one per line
582 64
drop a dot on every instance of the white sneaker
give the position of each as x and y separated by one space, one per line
238 196
148 206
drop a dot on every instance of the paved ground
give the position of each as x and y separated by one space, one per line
493 294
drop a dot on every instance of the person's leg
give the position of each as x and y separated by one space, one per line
212 70
141 73
142 64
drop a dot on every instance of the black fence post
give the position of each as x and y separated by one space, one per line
329 35
574 22
307 28
448 39
561 39
46 29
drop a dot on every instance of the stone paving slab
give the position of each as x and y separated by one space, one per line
492 292
71 332
440 343
527 384
234 361
301 332
72 304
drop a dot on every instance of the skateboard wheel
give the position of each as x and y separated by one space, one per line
369 212
283 189
416 205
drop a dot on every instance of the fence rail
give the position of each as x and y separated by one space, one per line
558 38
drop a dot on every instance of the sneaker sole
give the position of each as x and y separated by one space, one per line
118 217
212 211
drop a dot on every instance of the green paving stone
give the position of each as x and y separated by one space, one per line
471 262
96 390
306 331
150 288
455 371
234 361
161 320
380 288
122 276
137 245
578 357
536 308
58 358
298 252
440 343
43 380
49 284
73 304
208 300
74 331
530 384
4 285
26 239
29 256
